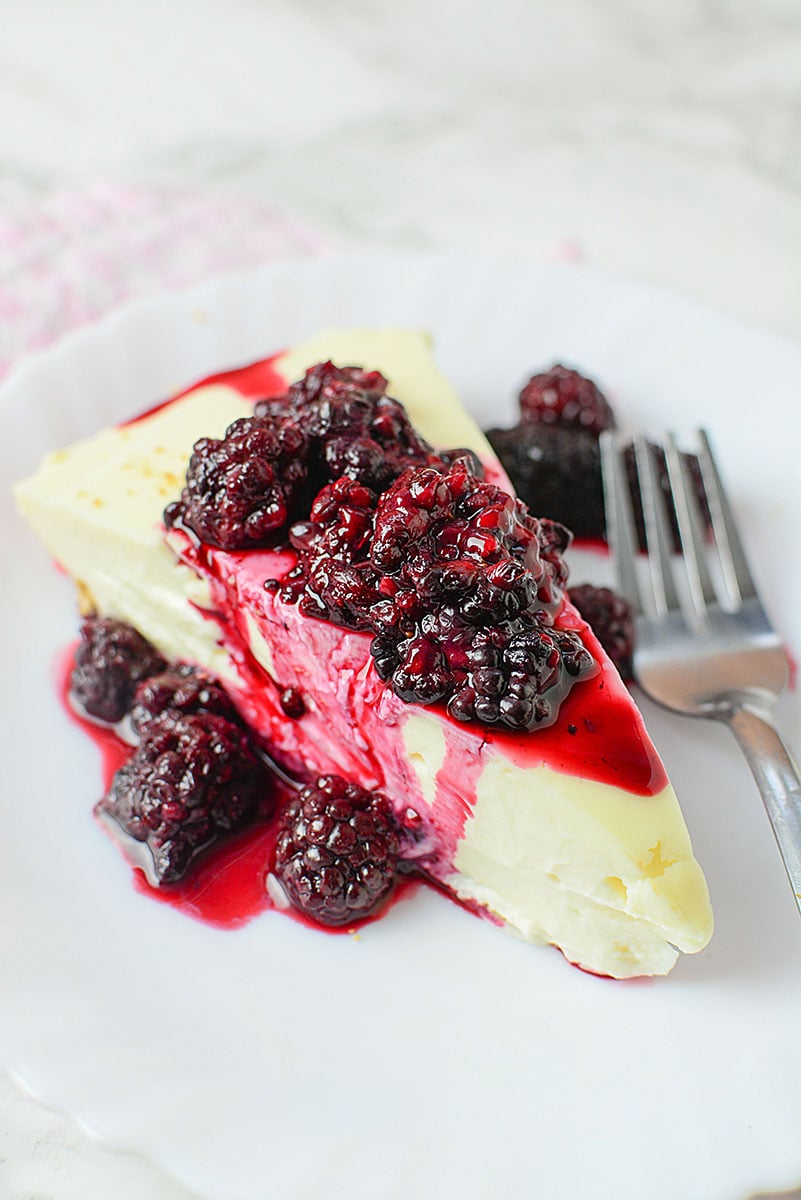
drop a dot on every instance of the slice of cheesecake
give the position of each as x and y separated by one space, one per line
568 835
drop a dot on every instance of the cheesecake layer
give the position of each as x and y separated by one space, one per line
574 838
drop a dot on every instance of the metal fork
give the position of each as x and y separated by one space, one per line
705 646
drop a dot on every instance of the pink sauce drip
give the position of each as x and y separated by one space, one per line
603 747
256 381
259 380
631 981
226 887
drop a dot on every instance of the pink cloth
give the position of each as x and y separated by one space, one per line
75 255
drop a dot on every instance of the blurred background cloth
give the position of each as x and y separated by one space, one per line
71 256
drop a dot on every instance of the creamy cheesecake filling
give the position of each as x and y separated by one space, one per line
521 825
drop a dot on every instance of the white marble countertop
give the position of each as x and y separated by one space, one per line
659 140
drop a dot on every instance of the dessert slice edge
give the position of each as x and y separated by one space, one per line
605 873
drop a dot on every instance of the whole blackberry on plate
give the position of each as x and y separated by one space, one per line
337 851
556 471
562 396
611 619
658 456
553 458
193 779
110 661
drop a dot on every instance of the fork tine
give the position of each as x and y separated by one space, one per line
619 521
734 565
700 587
658 536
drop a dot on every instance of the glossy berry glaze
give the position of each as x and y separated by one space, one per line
254 381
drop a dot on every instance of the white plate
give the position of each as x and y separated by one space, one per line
432 1056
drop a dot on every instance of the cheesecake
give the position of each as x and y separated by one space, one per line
547 810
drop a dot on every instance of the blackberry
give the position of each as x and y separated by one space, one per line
242 490
339 584
338 592
337 852
110 661
322 380
454 578
563 397
181 688
354 428
556 472
658 455
192 780
340 523
421 674
611 618
515 674
443 533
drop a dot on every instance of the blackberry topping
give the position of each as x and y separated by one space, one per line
111 659
354 428
192 780
242 490
445 534
183 689
337 851
516 674
563 397
335 578
413 546
321 381
459 584
611 618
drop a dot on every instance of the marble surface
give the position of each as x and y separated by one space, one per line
659 140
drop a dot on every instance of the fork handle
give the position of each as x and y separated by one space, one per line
779 782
